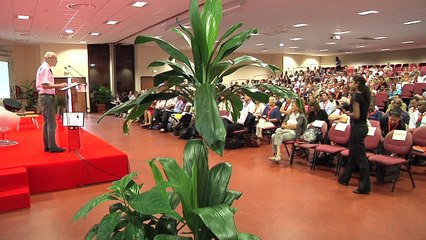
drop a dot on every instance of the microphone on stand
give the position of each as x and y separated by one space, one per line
81 75
68 71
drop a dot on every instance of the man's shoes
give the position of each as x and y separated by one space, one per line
56 150
46 149
342 182
357 191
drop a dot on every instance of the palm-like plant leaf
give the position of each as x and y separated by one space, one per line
220 220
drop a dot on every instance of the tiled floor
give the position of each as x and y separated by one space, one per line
279 201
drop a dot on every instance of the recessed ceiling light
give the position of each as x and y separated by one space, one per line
139 4
324 50
348 52
360 46
412 22
95 34
92 65
408 42
341 33
384 49
281 44
331 43
83 42
264 50
158 36
23 17
112 22
298 25
379 38
293 47
260 44
296 39
254 34
187 26
69 31
368 12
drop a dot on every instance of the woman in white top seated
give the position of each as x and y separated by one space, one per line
292 127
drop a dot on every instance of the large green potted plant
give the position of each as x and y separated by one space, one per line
102 97
30 93
203 193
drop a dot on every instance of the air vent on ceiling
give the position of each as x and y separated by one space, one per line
65 36
367 38
81 6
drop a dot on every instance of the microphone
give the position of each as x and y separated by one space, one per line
81 75
67 70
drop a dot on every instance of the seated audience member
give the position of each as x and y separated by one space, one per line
393 90
326 104
258 110
391 121
414 113
339 115
403 105
292 127
316 113
421 106
396 105
178 108
286 107
147 115
374 113
248 107
270 118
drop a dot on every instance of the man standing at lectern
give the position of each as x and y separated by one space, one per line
46 98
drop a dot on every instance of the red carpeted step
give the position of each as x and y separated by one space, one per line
14 193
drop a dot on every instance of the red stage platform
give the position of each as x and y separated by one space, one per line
27 163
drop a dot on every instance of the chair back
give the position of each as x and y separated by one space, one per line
324 129
381 99
407 90
373 142
250 122
419 136
400 147
339 137
419 88
374 123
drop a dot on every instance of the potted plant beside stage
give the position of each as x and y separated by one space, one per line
201 191
102 98
30 93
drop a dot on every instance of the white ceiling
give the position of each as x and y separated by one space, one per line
273 18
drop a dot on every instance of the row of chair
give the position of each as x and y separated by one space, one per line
400 150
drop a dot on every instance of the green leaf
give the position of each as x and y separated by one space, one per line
211 17
117 236
220 176
92 232
183 35
167 47
231 196
195 154
167 225
247 236
220 220
134 231
120 185
158 177
208 121
279 91
233 44
184 70
151 202
236 102
171 75
135 113
255 94
88 207
107 225
171 237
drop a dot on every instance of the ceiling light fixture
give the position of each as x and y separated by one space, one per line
296 39
23 17
380 38
362 46
324 50
298 25
412 22
260 44
254 34
139 4
348 52
69 31
95 34
368 12
111 22
83 42
384 49
281 45
293 47
341 33
331 43
408 42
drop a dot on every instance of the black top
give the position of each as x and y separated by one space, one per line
363 108
320 115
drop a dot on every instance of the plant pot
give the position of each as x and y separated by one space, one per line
100 107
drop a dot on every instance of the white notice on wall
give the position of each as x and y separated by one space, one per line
399 135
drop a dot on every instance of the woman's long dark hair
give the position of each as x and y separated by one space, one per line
363 88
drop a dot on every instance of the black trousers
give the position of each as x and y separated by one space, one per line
357 156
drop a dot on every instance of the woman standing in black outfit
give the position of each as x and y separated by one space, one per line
357 156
